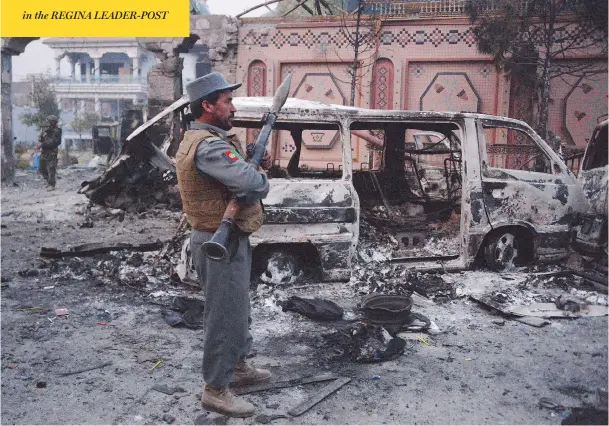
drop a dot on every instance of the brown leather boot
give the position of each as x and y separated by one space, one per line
246 374
223 401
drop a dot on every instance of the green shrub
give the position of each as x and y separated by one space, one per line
22 163
21 148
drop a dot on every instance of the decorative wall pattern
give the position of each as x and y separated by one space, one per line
256 86
576 106
326 83
322 87
456 86
585 106
402 37
450 91
382 85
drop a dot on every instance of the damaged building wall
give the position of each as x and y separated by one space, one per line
217 32
10 47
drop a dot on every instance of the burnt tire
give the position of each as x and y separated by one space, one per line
503 252
281 268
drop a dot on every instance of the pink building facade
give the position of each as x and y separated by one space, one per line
413 64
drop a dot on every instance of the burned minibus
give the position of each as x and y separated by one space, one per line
446 189
591 236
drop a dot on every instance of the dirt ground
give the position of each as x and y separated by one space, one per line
477 368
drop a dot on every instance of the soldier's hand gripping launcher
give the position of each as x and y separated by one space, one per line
216 248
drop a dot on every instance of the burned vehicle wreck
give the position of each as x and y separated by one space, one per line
442 189
591 237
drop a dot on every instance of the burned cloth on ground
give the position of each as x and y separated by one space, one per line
226 317
364 343
317 309
187 312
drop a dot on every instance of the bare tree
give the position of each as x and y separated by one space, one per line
83 124
362 33
537 39
43 102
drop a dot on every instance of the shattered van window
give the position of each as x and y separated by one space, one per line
410 188
596 155
513 149
302 150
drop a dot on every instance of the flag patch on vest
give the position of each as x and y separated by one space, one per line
232 155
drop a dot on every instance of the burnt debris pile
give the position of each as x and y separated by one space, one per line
364 343
133 185
146 272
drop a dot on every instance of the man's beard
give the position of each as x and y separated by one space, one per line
226 124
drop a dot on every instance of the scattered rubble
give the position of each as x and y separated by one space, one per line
322 394
83 370
284 384
168 390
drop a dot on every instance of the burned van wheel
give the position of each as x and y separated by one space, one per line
502 252
281 268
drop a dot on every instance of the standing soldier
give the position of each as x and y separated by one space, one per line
49 141
211 170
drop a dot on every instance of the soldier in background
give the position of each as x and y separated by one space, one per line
48 142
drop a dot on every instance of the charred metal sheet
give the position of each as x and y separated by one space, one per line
561 194
309 215
96 248
131 182
308 194
285 384
535 201
596 187
477 207
552 241
335 263
332 255
499 174
320 396
475 241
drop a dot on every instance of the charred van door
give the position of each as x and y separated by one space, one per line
529 196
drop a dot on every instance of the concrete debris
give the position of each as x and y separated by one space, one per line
62 312
539 310
166 389
204 419
265 419
533 321
549 310
168 418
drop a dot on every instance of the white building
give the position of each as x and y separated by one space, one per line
106 75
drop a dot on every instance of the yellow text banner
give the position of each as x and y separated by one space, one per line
107 18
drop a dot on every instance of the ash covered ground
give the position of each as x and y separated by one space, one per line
474 366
